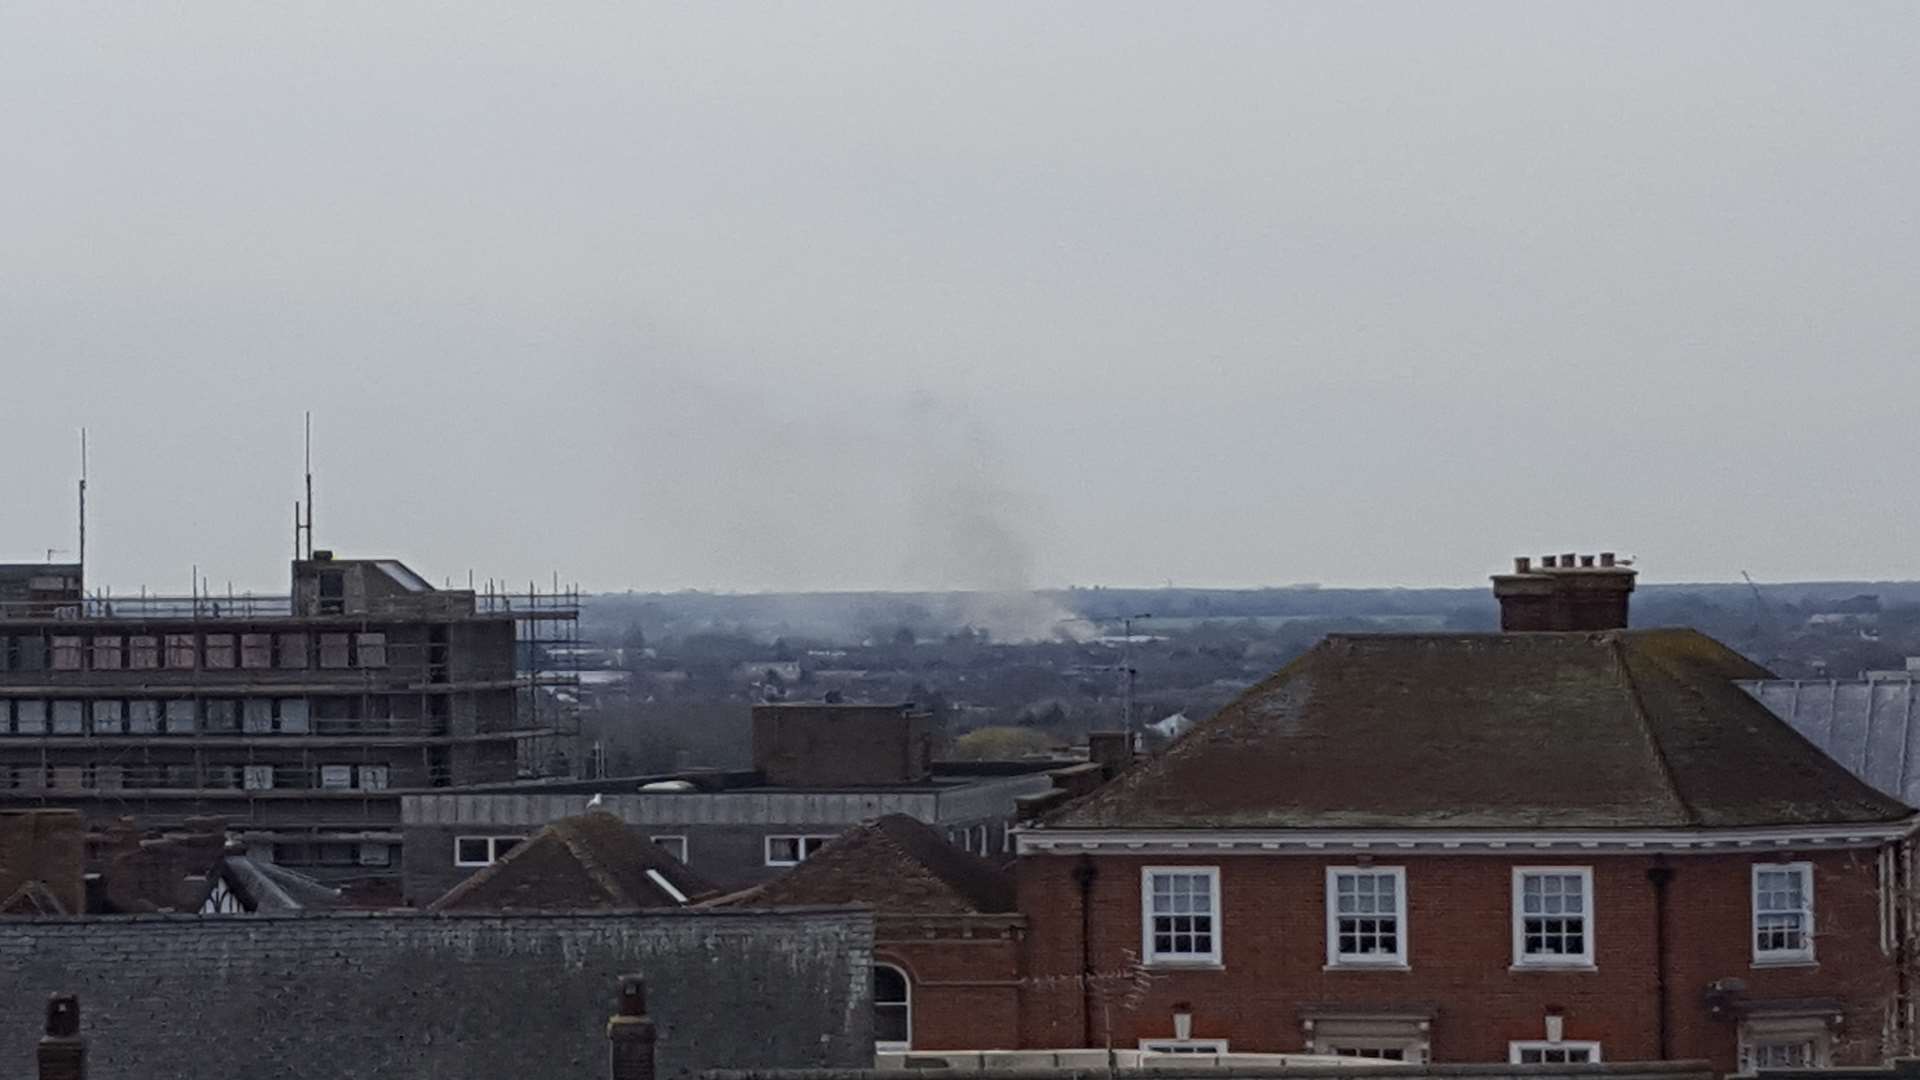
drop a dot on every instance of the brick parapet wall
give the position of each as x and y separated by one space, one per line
477 996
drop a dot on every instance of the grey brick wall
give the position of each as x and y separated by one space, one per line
459 996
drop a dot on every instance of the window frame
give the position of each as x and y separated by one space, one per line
180 651
220 652
806 844
106 652
906 981
1810 1029
1589 917
1373 1050
1516 1048
495 852
1372 961
66 652
677 838
1783 957
1151 957
370 649
1183 1047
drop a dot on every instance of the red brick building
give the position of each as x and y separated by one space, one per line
1566 842
947 939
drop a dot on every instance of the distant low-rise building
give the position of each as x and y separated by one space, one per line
592 862
819 770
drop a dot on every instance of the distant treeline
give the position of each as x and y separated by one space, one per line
850 617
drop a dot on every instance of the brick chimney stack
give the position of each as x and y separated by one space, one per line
63 1053
1565 593
630 1034
1111 750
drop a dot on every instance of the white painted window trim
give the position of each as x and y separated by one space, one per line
1337 959
1319 843
802 842
497 848
1186 1046
1514 1048
1412 1051
1217 914
1779 1029
1589 915
906 981
1781 956
459 840
680 838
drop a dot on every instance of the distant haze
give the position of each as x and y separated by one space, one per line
896 295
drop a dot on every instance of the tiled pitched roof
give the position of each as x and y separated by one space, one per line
33 898
897 865
1612 729
592 861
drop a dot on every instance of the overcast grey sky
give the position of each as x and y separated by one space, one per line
896 295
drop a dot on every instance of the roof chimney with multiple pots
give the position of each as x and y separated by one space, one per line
1566 592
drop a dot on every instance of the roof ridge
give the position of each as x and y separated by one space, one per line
589 861
1616 646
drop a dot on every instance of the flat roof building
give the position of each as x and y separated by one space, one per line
819 770
300 719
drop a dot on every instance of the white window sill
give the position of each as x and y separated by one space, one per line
1166 964
1785 961
1573 966
1367 965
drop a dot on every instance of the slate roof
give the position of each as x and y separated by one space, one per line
898 866
178 873
1871 725
263 886
1610 729
589 862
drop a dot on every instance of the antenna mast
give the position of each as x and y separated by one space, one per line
309 484
83 508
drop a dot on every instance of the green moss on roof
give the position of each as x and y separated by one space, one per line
1614 729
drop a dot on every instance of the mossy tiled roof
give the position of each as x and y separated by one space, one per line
1612 729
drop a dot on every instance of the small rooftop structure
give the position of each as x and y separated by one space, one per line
1565 592
840 745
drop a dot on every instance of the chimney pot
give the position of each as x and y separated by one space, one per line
630 1034
62 1052
1557 602
1522 564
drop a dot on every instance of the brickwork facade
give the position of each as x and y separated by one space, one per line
1274 970
964 975
472 996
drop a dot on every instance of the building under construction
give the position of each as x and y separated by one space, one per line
301 719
